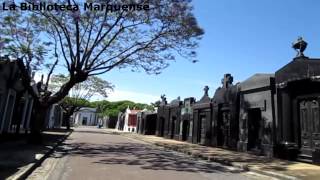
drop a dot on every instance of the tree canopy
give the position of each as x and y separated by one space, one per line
84 90
89 43
79 96
84 43
107 108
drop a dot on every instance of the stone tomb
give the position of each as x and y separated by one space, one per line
225 117
202 119
147 122
257 114
298 99
186 120
163 117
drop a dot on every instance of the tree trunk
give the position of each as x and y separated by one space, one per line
69 113
38 119
41 107
64 90
41 104
67 119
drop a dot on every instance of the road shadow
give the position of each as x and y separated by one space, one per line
144 156
16 153
94 131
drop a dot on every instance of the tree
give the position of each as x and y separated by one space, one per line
22 38
112 109
80 94
89 43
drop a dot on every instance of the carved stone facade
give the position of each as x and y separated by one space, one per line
174 120
173 123
162 118
16 103
186 122
298 92
226 114
257 115
202 119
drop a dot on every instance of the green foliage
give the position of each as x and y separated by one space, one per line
70 101
21 37
96 42
81 93
108 108
84 90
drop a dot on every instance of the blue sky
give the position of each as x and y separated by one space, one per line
242 37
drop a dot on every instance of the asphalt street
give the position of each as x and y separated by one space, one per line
91 153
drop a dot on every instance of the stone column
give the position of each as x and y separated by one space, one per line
7 114
190 129
28 114
195 126
286 115
25 109
214 119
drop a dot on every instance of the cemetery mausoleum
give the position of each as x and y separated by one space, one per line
274 114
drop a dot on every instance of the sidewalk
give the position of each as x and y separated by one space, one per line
18 158
277 168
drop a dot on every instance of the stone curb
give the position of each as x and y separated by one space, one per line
273 174
23 174
241 166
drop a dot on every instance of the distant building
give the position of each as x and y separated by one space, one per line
86 117
130 120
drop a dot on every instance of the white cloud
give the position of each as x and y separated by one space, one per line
138 97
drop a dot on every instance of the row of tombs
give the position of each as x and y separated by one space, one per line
275 115
17 110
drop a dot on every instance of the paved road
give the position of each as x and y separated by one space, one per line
91 153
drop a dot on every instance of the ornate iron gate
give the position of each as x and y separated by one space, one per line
309 125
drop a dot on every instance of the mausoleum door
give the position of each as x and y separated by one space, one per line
309 125
185 130
162 126
84 121
201 129
173 126
254 128
223 128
